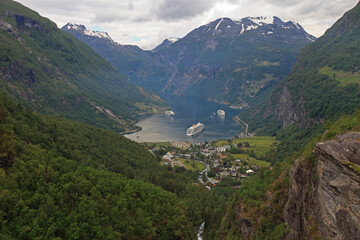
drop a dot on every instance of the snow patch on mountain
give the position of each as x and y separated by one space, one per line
88 32
251 27
262 20
219 24
173 39
242 29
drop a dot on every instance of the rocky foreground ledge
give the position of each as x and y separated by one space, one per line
324 200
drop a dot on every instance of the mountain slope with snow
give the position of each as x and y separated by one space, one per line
232 61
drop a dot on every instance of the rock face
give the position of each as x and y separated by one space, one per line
325 200
288 110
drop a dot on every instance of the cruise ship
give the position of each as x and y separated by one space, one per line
194 129
169 113
221 113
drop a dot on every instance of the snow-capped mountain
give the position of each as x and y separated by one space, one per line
234 61
81 29
262 27
123 57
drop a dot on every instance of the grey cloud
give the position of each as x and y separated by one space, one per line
108 18
157 19
131 6
182 9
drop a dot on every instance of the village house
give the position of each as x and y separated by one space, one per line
249 171
254 167
208 151
216 163
186 156
168 157
224 173
222 149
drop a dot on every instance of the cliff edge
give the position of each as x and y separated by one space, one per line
324 196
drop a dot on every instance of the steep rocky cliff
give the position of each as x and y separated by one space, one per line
324 201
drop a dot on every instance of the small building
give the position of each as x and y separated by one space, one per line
224 173
238 161
186 156
222 149
249 171
168 157
254 167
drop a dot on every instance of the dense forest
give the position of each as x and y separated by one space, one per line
66 179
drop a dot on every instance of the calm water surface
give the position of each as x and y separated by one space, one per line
188 110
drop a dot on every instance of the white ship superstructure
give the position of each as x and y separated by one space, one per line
221 113
169 113
194 129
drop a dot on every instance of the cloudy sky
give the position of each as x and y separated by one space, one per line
147 23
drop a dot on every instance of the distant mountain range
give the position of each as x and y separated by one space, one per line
235 62
52 72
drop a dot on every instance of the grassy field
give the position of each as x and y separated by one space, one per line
260 145
343 77
192 164
252 161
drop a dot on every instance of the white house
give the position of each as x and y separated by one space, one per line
249 171
168 157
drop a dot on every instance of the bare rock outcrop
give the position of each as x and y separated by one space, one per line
325 200
288 111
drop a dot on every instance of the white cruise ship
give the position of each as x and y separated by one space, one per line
194 129
169 113
221 113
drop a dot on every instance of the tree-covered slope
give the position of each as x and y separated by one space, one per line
235 62
312 194
60 178
53 72
323 85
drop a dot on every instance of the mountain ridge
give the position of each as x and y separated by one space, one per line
253 56
52 72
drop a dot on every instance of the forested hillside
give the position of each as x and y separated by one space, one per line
52 72
66 179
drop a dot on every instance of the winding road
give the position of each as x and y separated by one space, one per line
240 122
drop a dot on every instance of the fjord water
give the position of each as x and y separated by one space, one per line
188 110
